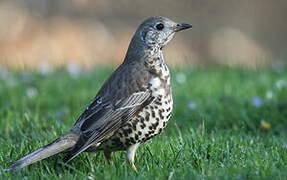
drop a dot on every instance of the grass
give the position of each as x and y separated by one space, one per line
227 124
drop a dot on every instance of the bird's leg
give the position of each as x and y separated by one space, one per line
131 152
108 156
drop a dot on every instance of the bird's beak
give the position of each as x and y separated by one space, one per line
182 26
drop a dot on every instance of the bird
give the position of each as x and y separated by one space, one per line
133 105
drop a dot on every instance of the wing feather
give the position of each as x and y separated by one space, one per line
120 98
110 121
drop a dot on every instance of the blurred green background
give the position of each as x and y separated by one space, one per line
40 33
229 81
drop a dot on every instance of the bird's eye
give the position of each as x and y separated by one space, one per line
159 26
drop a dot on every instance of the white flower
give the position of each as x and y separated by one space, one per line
44 68
269 94
180 78
280 83
4 73
7 76
31 92
73 68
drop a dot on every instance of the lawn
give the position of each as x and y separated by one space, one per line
228 123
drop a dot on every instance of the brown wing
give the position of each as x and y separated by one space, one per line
121 97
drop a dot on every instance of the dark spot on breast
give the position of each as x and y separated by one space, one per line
142 119
143 126
153 113
156 124
151 132
134 127
136 121
136 137
120 134
168 116
160 113
158 103
125 132
147 116
149 138
132 140
129 131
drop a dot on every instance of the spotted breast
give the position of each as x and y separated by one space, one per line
152 119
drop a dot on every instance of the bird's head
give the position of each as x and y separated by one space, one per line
158 31
154 33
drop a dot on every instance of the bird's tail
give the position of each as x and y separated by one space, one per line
59 145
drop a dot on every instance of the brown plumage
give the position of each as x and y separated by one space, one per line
132 106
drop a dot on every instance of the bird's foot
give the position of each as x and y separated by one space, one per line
108 156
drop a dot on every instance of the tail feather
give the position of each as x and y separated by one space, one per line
59 145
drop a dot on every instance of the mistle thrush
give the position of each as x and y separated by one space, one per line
132 106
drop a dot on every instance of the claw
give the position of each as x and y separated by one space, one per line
134 167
